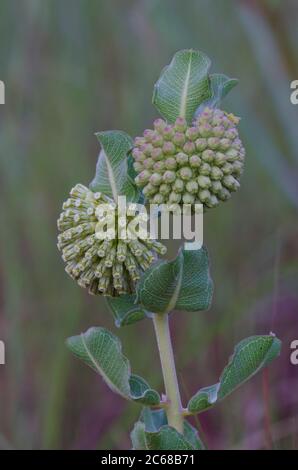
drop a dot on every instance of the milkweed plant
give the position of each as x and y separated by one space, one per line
192 156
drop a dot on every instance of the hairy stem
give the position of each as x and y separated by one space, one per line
174 408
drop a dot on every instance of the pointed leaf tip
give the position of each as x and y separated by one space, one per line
250 356
183 85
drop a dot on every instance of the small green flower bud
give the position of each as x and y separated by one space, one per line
208 155
157 154
169 176
159 167
147 149
138 155
219 131
182 158
168 132
237 144
179 139
192 186
192 133
195 161
227 168
178 185
224 144
216 186
188 198
159 125
237 168
139 141
213 142
148 135
149 190
185 173
204 195
230 182
216 173
138 166
205 130
212 201
180 124
158 198
205 169
231 154
171 163
224 194
201 144
143 177
157 141
203 181
189 148
174 197
148 163
168 148
155 179
165 188
231 133
219 158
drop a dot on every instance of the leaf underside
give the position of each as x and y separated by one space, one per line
126 310
220 85
101 350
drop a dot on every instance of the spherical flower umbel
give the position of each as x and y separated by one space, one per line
199 164
110 266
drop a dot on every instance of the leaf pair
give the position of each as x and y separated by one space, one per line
101 350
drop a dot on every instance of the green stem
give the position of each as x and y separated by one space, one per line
174 408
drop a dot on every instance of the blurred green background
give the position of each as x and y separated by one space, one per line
71 68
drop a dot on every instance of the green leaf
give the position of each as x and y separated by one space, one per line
141 392
250 355
183 85
125 309
221 85
153 419
101 350
112 174
138 437
152 432
192 436
167 438
183 283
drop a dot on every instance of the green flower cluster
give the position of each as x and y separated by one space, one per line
199 164
109 266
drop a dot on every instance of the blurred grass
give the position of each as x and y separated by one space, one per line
71 69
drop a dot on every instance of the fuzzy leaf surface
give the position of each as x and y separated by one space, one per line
152 432
250 356
125 309
220 85
183 283
101 350
112 174
183 85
